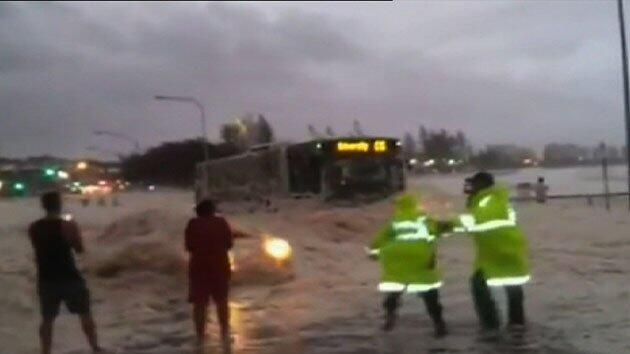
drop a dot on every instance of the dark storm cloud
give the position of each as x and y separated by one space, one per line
69 73
502 71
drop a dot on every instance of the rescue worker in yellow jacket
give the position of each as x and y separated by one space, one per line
501 250
406 249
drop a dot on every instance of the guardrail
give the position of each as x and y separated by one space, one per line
571 196
589 197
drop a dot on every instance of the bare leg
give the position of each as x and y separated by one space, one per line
89 328
45 335
223 313
200 316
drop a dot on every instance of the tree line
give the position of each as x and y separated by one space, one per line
173 163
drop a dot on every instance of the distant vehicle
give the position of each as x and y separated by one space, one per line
330 168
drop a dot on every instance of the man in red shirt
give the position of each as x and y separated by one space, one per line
208 240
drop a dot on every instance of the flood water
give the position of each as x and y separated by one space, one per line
569 180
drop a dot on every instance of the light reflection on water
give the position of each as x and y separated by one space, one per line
261 333
237 324
253 331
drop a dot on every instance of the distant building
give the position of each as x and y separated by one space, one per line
565 154
7 165
609 152
572 154
509 155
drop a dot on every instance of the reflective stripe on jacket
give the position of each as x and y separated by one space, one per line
406 250
501 248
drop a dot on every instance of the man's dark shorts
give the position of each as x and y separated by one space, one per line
73 293
200 292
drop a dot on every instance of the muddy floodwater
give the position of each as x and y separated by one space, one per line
325 299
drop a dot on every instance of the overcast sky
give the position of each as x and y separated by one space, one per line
524 72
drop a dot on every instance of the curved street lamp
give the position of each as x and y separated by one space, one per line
202 111
204 136
121 136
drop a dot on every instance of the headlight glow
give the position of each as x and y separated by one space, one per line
277 248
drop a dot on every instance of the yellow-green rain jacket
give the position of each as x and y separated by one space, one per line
501 248
406 250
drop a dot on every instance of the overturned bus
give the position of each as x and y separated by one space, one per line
330 168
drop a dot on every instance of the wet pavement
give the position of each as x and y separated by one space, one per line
358 335
414 335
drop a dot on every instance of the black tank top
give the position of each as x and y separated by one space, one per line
53 254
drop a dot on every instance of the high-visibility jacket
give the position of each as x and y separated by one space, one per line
406 249
501 248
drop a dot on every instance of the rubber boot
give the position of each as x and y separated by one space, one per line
440 329
390 304
434 308
484 303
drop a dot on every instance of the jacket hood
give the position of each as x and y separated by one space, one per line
407 207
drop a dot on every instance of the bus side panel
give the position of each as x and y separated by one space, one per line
247 175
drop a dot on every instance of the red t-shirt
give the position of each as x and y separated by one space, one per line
208 240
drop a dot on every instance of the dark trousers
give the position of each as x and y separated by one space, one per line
486 307
431 300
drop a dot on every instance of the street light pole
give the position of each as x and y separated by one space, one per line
202 111
204 131
626 94
202 185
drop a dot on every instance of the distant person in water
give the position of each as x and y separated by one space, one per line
541 190
58 279
208 240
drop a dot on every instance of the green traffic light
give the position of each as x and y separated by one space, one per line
18 186
49 172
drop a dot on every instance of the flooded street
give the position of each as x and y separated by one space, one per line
325 301
345 177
